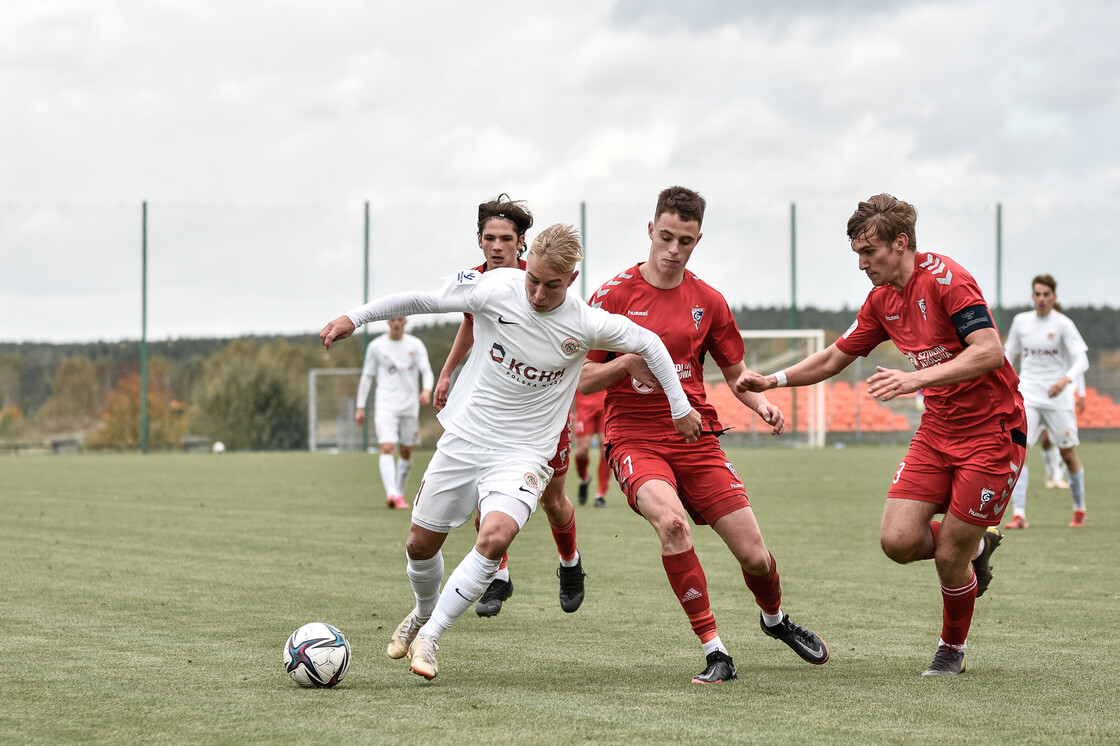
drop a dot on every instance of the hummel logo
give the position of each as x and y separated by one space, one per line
691 595
999 507
503 321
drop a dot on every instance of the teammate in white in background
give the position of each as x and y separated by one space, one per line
501 428
1057 473
398 364
1052 356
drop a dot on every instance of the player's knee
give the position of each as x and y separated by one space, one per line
897 548
420 547
675 532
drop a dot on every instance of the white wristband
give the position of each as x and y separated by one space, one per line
781 376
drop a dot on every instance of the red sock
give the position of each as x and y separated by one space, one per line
934 526
686 577
956 612
582 461
604 476
565 538
767 589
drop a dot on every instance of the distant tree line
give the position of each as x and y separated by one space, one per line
251 392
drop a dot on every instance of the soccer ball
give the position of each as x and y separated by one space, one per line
317 655
219 447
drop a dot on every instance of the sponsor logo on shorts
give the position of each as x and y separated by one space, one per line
986 495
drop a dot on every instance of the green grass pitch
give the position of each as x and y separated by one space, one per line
146 599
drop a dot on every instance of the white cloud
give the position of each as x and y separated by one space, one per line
438 104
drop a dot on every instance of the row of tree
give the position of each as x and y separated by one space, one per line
251 393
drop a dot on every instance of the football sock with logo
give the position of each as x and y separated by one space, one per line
462 590
1019 494
767 590
686 577
1077 489
565 538
956 612
604 476
388 473
404 468
425 576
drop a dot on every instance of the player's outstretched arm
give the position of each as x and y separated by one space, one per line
813 369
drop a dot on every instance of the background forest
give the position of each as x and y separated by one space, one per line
251 392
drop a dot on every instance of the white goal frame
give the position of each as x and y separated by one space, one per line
814 342
313 441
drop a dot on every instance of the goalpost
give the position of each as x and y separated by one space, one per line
769 350
332 396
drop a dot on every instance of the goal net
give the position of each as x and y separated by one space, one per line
332 395
769 350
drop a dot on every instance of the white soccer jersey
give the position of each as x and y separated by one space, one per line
401 370
1050 348
518 384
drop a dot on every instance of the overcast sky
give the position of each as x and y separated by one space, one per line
224 115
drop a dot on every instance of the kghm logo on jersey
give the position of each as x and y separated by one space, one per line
697 316
569 346
523 372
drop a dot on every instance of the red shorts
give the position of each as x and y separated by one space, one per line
970 475
560 461
590 413
702 475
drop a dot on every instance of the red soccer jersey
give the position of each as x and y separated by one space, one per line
692 319
919 321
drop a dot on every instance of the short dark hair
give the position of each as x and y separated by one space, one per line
885 217
504 207
682 202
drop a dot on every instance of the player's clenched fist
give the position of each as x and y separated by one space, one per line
340 328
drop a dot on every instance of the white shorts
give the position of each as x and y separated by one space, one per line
1060 423
397 428
461 474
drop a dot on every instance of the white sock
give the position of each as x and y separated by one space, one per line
959 648
570 563
425 577
1053 459
978 550
462 590
404 467
502 574
713 645
1077 489
388 473
773 619
1019 494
